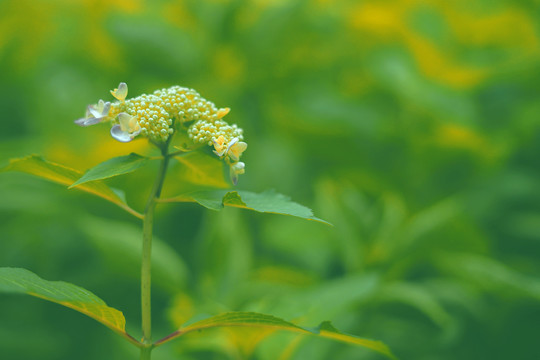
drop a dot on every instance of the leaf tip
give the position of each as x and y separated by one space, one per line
76 183
319 220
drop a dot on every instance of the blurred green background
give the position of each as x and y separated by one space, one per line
413 126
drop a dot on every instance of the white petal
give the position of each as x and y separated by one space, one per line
238 167
235 150
94 111
88 121
100 110
125 121
81 122
135 133
233 141
243 146
121 92
118 134
106 109
235 170
234 177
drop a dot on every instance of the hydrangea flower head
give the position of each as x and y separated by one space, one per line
159 115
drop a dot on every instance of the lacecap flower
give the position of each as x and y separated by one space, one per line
126 129
235 149
95 114
158 115
231 152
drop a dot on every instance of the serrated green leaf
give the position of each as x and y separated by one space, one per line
113 167
60 174
251 319
17 280
267 202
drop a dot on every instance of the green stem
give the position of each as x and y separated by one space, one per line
146 266
146 353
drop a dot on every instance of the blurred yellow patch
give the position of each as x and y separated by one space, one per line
28 25
269 3
61 150
381 19
104 49
245 340
200 169
181 310
453 135
178 15
507 28
128 6
460 137
229 64
436 64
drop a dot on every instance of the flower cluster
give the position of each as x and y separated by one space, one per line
225 138
157 116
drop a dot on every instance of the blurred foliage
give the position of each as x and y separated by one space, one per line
412 126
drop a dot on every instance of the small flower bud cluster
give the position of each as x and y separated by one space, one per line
204 131
225 138
186 104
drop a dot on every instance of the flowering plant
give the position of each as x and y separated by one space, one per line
159 117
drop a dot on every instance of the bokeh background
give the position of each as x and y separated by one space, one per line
413 126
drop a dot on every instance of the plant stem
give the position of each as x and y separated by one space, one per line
146 353
146 266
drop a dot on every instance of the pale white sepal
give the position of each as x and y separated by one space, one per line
121 92
235 170
100 110
127 128
118 134
88 121
235 149
95 114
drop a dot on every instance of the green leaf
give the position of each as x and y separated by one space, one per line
60 174
113 167
266 202
201 169
489 274
16 280
417 296
251 319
